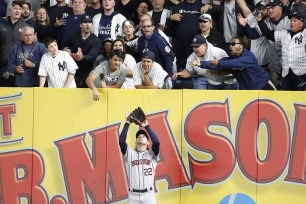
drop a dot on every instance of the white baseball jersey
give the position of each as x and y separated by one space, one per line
56 69
140 167
129 63
157 75
293 51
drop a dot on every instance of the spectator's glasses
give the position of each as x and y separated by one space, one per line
235 43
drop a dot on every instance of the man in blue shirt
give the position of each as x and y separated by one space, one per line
243 65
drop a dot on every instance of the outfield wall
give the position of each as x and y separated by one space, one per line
217 147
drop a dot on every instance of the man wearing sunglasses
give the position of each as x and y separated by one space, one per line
244 66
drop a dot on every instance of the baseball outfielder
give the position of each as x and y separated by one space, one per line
140 162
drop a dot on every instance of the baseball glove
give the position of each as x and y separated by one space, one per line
138 116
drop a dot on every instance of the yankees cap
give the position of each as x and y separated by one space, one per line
205 17
297 16
139 132
86 18
273 3
148 55
198 40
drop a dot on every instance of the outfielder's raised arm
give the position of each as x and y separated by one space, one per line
122 138
154 138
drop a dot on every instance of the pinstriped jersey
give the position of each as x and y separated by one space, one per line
57 69
157 75
293 51
140 168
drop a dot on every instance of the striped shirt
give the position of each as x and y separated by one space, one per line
293 51
157 75
57 69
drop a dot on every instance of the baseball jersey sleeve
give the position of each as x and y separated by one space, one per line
42 71
137 74
72 66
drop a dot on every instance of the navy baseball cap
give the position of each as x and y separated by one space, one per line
148 55
86 18
139 132
273 3
107 40
198 40
297 16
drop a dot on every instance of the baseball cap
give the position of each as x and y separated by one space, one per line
198 40
205 17
139 132
107 40
148 55
16 3
261 4
86 18
273 3
128 22
297 15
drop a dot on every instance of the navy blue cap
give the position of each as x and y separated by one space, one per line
139 132
86 18
273 3
198 40
148 55
297 16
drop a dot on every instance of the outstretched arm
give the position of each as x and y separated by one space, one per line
123 134
122 138
155 141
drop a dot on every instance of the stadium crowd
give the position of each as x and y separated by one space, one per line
153 44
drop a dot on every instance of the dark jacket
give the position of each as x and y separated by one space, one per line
217 13
161 48
6 42
34 53
245 68
90 48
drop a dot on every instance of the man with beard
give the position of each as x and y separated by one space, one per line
108 74
244 66
84 47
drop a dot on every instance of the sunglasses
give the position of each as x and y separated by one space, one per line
235 43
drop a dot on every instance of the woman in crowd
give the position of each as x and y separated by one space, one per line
211 34
42 27
128 29
128 63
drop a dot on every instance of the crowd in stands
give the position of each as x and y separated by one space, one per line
153 44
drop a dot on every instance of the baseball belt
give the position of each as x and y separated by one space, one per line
140 190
